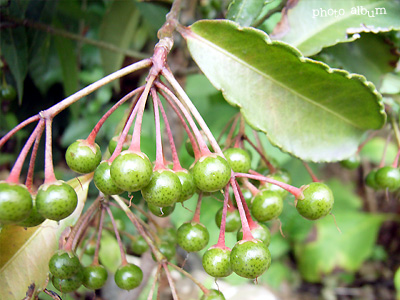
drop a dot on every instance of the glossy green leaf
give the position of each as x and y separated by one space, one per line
305 108
326 249
313 24
244 12
14 49
25 253
371 56
117 28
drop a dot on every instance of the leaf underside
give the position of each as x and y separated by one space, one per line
306 108
25 253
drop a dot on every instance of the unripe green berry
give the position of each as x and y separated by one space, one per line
69 284
267 206
370 180
388 178
353 162
261 232
193 236
94 277
131 171
317 203
103 181
217 262
250 259
83 157
114 142
168 235
163 190
188 186
233 221
211 173
166 249
238 159
273 187
213 295
139 245
56 200
34 218
8 92
64 264
15 203
128 277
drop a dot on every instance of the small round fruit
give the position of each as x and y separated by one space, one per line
193 236
273 187
266 206
370 180
94 277
261 232
167 249
103 181
317 203
388 178
217 262
8 92
189 147
353 162
238 159
69 284
83 157
128 277
233 221
211 173
139 245
90 248
15 203
131 171
159 211
168 235
247 195
56 200
114 141
250 259
188 186
34 218
64 264
164 188
213 295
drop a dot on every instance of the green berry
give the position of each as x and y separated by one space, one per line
261 232
159 211
189 147
56 200
83 157
64 264
388 178
266 206
15 203
8 92
167 249
164 188
247 195
94 277
317 203
90 248
211 173
213 295
188 186
238 159
168 235
273 187
131 171
114 141
250 259
103 181
128 277
193 236
139 245
233 221
217 262
34 218
69 284
370 180
353 162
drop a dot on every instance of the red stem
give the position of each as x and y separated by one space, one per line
291 189
252 224
135 145
121 247
310 171
49 176
16 170
28 121
228 141
382 162
96 251
159 148
396 160
247 235
204 151
175 159
221 238
29 176
192 139
196 216
252 188
92 136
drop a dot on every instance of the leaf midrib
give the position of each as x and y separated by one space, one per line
212 45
